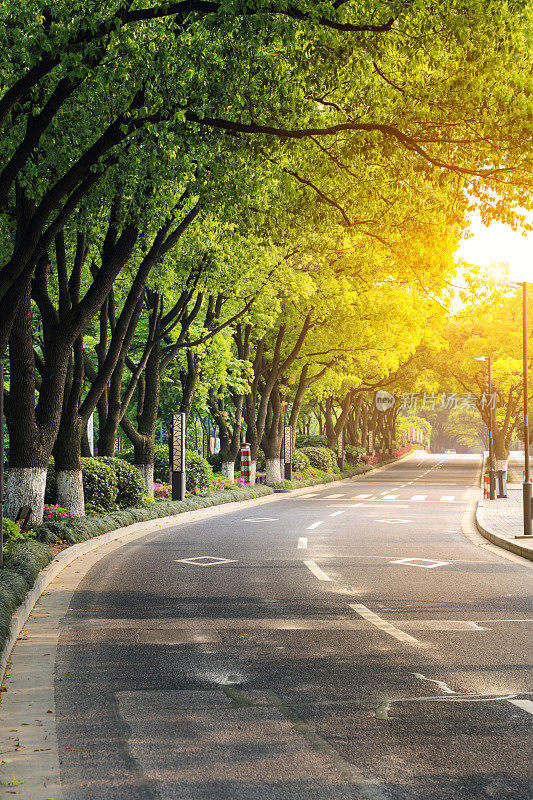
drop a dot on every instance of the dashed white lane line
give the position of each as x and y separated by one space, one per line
380 623
302 543
336 513
525 705
314 525
313 567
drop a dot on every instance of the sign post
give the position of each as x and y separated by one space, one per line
177 455
340 450
287 452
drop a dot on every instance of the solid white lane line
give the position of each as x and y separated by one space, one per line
419 497
525 705
336 513
314 525
313 567
302 542
380 623
333 496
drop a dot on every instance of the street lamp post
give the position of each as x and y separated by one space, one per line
492 477
526 487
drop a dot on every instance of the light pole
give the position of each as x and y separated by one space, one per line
526 487
492 481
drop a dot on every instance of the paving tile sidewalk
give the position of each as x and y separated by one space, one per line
501 521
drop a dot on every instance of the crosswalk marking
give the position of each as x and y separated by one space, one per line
360 496
419 497
447 498
333 496
390 497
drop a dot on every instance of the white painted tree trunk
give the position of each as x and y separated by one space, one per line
25 487
501 465
253 472
147 471
273 471
228 470
70 491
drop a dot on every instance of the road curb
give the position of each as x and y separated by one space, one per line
492 536
501 541
64 559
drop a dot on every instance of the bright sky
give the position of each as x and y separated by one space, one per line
497 244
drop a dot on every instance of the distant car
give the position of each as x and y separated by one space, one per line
450 452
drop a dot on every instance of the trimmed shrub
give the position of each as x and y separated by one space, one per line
353 453
311 441
216 462
13 535
300 461
100 484
321 458
130 482
161 461
198 471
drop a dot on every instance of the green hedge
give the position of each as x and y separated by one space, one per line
22 564
300 460
321 457
130 483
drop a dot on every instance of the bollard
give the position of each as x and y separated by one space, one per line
246 463
486 487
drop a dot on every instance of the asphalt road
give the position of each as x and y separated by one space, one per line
349 643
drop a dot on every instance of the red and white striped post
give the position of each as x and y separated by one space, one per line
246 463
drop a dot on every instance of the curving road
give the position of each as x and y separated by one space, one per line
347 643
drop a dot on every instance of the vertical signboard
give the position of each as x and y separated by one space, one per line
90 433
287 452
340 450
177 455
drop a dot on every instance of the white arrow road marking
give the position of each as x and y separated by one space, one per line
380 623
205 561
430 563
314 525
260 519
336 513
394 521
313 567
302 542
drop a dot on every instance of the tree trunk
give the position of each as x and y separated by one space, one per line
25 487
228 470
273 471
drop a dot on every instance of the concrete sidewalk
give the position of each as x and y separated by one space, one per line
501 521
